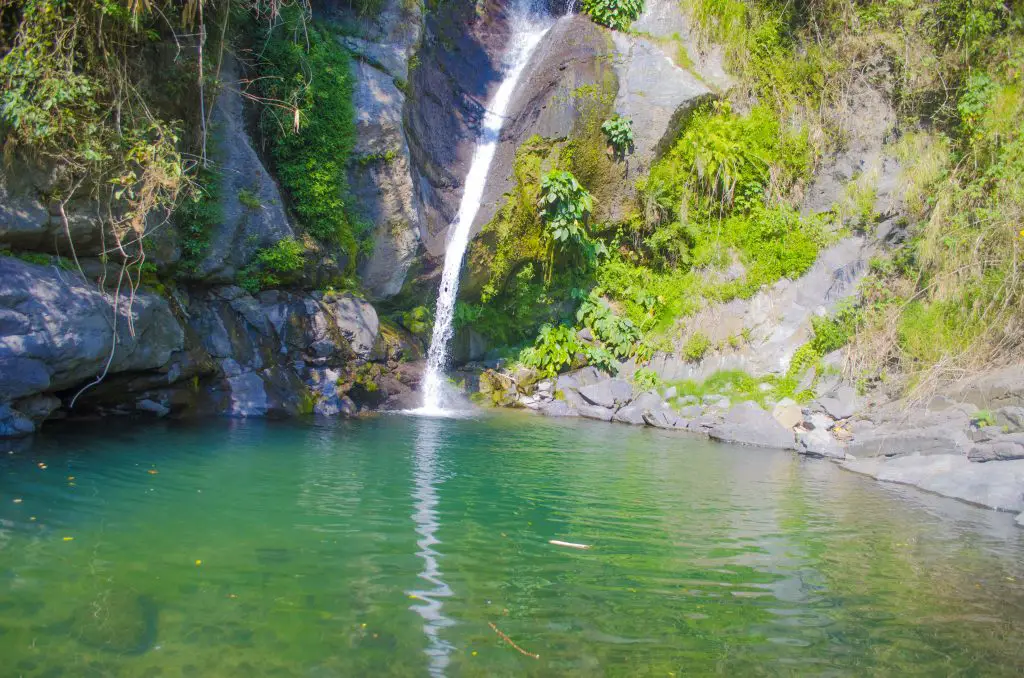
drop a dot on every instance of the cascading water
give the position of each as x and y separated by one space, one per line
529 24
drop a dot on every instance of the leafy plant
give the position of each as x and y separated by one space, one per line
615 14
619 132
646 379
273 266
554 350
696 346
565 206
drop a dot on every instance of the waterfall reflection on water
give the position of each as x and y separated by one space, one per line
429 601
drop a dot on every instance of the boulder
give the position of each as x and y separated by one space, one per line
663 417
996 451
595 412
818 443
748 424
1011 416
57 330
630 414
1020 519
14 424
841 404
610 393
787 413
557 408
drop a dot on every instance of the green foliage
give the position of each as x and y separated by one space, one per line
565 206
983 418
619 132
274 266
646 379
554 350
615 14
618 334
736 385
249 199
696 347
198 214
312 137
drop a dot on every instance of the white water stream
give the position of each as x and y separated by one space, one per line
528 27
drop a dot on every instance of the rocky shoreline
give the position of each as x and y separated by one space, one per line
967 443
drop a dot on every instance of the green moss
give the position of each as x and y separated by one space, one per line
696 347
249 199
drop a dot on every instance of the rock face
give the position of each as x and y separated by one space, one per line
57 330
658 96
381 178
244 228
998 485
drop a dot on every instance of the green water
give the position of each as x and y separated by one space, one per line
388 547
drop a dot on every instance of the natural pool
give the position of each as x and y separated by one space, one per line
390 546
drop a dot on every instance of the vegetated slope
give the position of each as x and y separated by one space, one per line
718 216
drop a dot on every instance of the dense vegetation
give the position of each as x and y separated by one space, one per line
717 218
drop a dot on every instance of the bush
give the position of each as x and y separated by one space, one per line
274 266
696 346
615 14
646 379
553 351
311 144
619 133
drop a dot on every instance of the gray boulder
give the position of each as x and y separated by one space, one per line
14 424
841 404
818 442
595 412
748 424
1011 416
57 330
610 393
787 413
557 408
997 450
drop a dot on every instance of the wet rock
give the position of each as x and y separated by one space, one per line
1020 519
631 414
153 407
121 622
996 484
14 424
609 393
748 424
38 407
595 412
691 411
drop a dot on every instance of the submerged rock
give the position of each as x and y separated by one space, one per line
117 621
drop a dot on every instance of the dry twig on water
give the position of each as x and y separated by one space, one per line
511 642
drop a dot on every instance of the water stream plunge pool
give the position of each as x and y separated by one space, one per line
406 546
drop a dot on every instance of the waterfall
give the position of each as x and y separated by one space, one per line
528 27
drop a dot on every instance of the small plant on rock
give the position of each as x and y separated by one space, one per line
646 379
619 133
273 266
696 346
554 349
615 14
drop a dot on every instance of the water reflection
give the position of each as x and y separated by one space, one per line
425 499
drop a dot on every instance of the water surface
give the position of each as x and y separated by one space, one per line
396 546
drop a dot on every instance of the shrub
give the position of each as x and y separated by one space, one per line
646 379
310 143
565 206
696 346
619 133
554 350
615 14
273 266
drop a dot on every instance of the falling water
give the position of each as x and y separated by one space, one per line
528 27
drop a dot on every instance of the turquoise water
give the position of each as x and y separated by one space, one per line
401 546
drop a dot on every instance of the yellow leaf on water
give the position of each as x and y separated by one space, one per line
198 563
152 471
68 538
